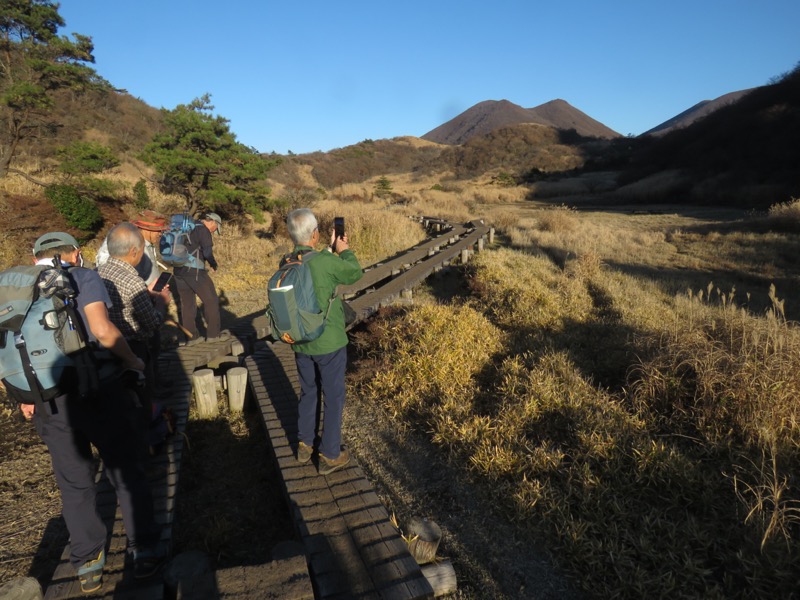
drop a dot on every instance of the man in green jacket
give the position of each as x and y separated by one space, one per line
321 363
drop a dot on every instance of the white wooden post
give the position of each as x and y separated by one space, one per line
491 236
205 393
237 386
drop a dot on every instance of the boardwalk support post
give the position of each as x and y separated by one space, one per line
425 537
491 235
205 392
237 386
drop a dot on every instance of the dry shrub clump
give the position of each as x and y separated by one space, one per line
436 353
785 214
527 294
679 483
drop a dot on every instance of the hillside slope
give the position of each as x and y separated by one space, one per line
743 154
698 111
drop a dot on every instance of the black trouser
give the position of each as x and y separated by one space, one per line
191 282
145 391
69 426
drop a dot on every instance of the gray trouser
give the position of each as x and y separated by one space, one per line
69 426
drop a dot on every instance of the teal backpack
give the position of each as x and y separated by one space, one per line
174 244
42 341
293 311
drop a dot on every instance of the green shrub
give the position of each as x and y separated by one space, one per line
80 212
141 200
82 158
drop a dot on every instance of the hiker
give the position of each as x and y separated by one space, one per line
195 280
324 359
136 310
152 226
70 423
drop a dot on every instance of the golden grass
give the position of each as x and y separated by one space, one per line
653 437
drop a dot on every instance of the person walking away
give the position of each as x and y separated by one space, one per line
191 281
321 363
136 310
71 423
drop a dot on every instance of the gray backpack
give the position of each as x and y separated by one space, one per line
294 314
42 340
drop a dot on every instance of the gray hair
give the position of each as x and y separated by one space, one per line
301 224
122 238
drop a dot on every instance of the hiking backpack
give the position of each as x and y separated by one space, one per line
174 245
41 334
293 311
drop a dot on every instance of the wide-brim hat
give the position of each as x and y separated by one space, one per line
54 239
150 221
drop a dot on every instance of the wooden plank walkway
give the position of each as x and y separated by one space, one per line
353 549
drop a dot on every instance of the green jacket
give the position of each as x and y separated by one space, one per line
328 271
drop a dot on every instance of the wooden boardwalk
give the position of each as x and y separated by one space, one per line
352 549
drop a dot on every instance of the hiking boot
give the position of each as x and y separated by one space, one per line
328 465
90 574
148 561
304 452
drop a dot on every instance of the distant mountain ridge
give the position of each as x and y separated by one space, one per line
698 111
489 115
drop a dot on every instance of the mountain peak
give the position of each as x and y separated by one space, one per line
492 114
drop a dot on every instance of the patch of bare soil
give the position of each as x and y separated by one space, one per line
32 533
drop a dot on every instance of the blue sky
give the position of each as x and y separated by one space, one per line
313 75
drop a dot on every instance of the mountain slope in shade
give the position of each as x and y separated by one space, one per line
491 114
698 111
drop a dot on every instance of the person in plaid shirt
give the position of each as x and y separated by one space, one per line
136 310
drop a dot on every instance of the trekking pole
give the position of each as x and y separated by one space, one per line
185 331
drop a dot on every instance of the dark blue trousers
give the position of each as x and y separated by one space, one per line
322 377
69 426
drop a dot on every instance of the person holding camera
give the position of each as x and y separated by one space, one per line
321 363
136 309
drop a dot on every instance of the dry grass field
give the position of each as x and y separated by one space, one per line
619 383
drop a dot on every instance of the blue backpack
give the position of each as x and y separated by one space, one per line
293 311
175 243
42 335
